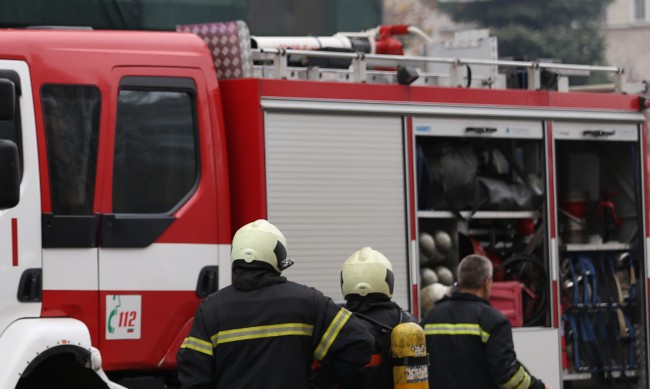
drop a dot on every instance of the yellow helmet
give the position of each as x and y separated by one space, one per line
367 271
260 241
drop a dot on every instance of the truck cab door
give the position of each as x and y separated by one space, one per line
20 240
71 123
159 214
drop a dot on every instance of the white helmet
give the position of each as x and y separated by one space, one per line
367 271
431 294
260 241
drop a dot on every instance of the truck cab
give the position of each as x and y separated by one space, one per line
122 221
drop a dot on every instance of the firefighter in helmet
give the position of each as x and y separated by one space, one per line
367 286
264 331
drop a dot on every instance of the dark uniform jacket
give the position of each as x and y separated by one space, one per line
470 347
379 318
264 332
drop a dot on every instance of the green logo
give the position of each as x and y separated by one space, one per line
111 329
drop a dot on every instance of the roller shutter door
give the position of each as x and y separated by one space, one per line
336 183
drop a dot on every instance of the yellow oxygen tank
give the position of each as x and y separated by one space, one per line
410 358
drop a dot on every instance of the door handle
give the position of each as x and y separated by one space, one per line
30 287
208 282
598 133
481 130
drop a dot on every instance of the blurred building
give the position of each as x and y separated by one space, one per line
626 25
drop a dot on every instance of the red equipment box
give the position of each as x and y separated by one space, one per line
506 297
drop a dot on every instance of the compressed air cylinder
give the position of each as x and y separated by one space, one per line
410 358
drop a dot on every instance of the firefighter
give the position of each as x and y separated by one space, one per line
367 286
469 342
264 331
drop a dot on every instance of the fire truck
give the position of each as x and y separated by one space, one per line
128 158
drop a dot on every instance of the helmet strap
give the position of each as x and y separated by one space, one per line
285 264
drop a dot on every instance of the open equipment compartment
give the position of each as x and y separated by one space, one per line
481 185
599 203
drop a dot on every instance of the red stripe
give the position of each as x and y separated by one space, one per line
14 240
551 199
412 211
375 360
409 136
416 303
551 178
644 152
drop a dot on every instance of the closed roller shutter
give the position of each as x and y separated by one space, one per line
335 183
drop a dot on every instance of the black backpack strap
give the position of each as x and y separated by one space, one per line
404 317
379 324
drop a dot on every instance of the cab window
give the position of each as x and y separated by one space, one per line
71 114
156 155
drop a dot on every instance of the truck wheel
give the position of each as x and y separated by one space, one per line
61 371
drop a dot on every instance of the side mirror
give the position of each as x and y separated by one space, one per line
9 174
7 99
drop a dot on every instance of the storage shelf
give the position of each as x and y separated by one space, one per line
597 307
581 376
575 376
479 214
609 246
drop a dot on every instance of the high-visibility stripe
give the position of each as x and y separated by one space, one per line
515 379
520 380
457 329
198 345
525 383
331 333
248 333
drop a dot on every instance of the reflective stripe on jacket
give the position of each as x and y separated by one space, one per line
269 337
470 346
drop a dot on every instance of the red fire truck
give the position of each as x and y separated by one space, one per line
128 159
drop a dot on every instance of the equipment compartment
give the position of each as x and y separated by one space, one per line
598 170
481 185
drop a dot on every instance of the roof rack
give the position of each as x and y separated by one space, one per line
380 68
235 57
